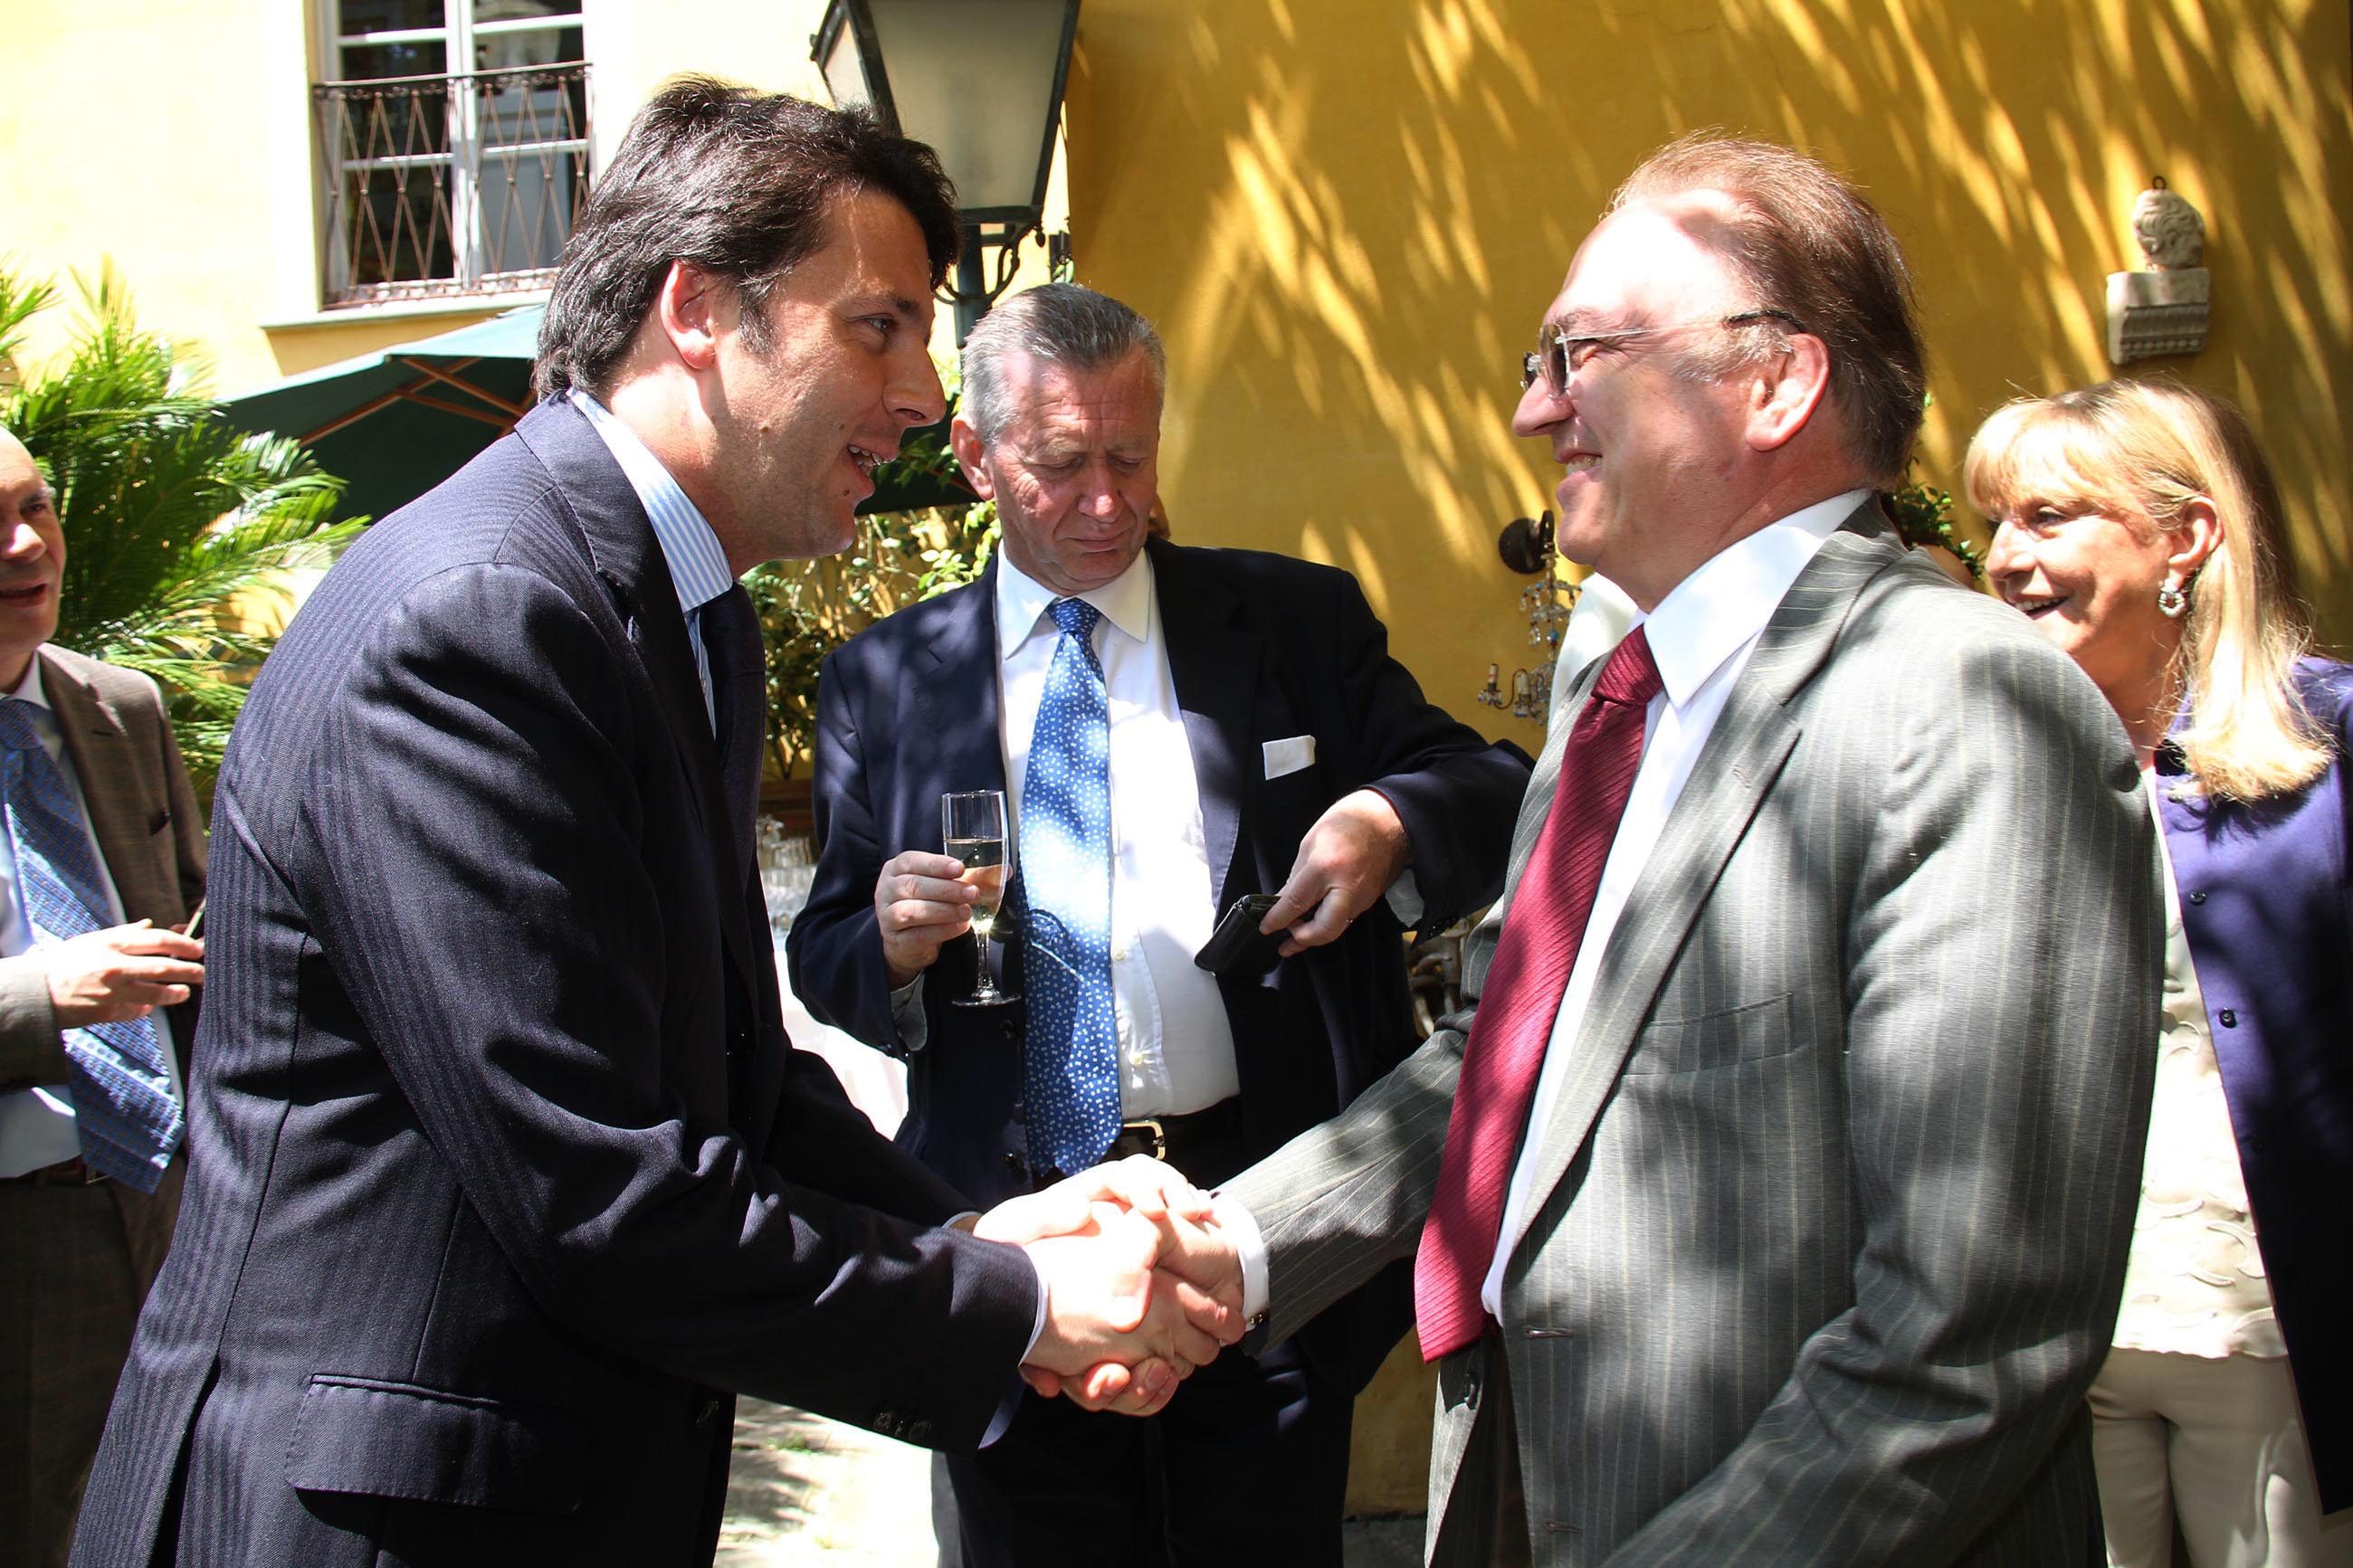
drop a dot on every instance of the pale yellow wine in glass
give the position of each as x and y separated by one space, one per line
975 831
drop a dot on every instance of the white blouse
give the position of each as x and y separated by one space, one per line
2194 1283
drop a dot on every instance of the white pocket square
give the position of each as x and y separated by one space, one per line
1289 756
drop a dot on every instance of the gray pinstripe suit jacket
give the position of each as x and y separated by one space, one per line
1839 1184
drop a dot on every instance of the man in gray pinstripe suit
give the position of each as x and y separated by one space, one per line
1812 1226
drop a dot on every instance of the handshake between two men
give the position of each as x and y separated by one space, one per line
1141 1289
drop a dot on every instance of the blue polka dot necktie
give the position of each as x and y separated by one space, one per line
1071 1051
124 1112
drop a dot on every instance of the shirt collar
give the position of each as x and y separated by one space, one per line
697 565
1717 610
30 688
1126 602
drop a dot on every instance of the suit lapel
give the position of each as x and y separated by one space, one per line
956 689
1745 752
1213 663
622 545
954 666
101 751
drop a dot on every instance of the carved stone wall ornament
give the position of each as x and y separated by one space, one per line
2171 233
2164 309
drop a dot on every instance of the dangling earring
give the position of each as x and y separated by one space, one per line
2171 601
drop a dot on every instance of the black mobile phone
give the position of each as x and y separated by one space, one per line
1238 946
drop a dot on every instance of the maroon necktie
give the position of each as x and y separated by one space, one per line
1522 998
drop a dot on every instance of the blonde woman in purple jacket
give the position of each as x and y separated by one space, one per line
2139 525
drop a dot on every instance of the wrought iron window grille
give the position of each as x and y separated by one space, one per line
448 186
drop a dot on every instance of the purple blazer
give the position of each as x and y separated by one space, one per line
2267 905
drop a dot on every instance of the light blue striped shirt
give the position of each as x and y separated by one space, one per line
697 565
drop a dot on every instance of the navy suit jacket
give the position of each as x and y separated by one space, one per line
501 1171
1260 648
2267 904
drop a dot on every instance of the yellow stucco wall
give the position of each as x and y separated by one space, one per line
1348 219
172 138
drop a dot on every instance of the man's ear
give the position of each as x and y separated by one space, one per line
691 308
966 442
1787 389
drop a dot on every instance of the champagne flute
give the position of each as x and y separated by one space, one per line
973 830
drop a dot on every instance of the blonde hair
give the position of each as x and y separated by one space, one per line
2149 450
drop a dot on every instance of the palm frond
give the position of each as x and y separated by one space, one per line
19 303
178 526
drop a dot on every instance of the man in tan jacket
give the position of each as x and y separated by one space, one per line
90 894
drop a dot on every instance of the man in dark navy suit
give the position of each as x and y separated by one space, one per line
503 1177
1242 728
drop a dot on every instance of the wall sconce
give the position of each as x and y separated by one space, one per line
1527 547
1526 544
2162 311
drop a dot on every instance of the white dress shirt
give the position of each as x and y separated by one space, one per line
1700 637
37 1125
1176 1047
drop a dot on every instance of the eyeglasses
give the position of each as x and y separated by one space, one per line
1558 356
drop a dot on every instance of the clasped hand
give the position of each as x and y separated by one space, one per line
1141 1286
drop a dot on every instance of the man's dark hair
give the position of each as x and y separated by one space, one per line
739 184
1811 246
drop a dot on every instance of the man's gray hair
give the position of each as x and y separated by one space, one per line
1063 324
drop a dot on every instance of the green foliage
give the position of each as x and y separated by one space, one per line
808 608
19 303
1924 516
178 527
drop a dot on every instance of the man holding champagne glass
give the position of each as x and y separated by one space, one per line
1175 731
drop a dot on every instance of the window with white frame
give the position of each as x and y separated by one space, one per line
454 145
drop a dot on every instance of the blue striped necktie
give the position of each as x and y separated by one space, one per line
1071 1050
124 1112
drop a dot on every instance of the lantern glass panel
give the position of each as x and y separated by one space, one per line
976 79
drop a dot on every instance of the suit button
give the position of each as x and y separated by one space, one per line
2230 1019
918 1432
1011 1032
2197 897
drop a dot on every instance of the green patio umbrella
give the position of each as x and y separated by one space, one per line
396 422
